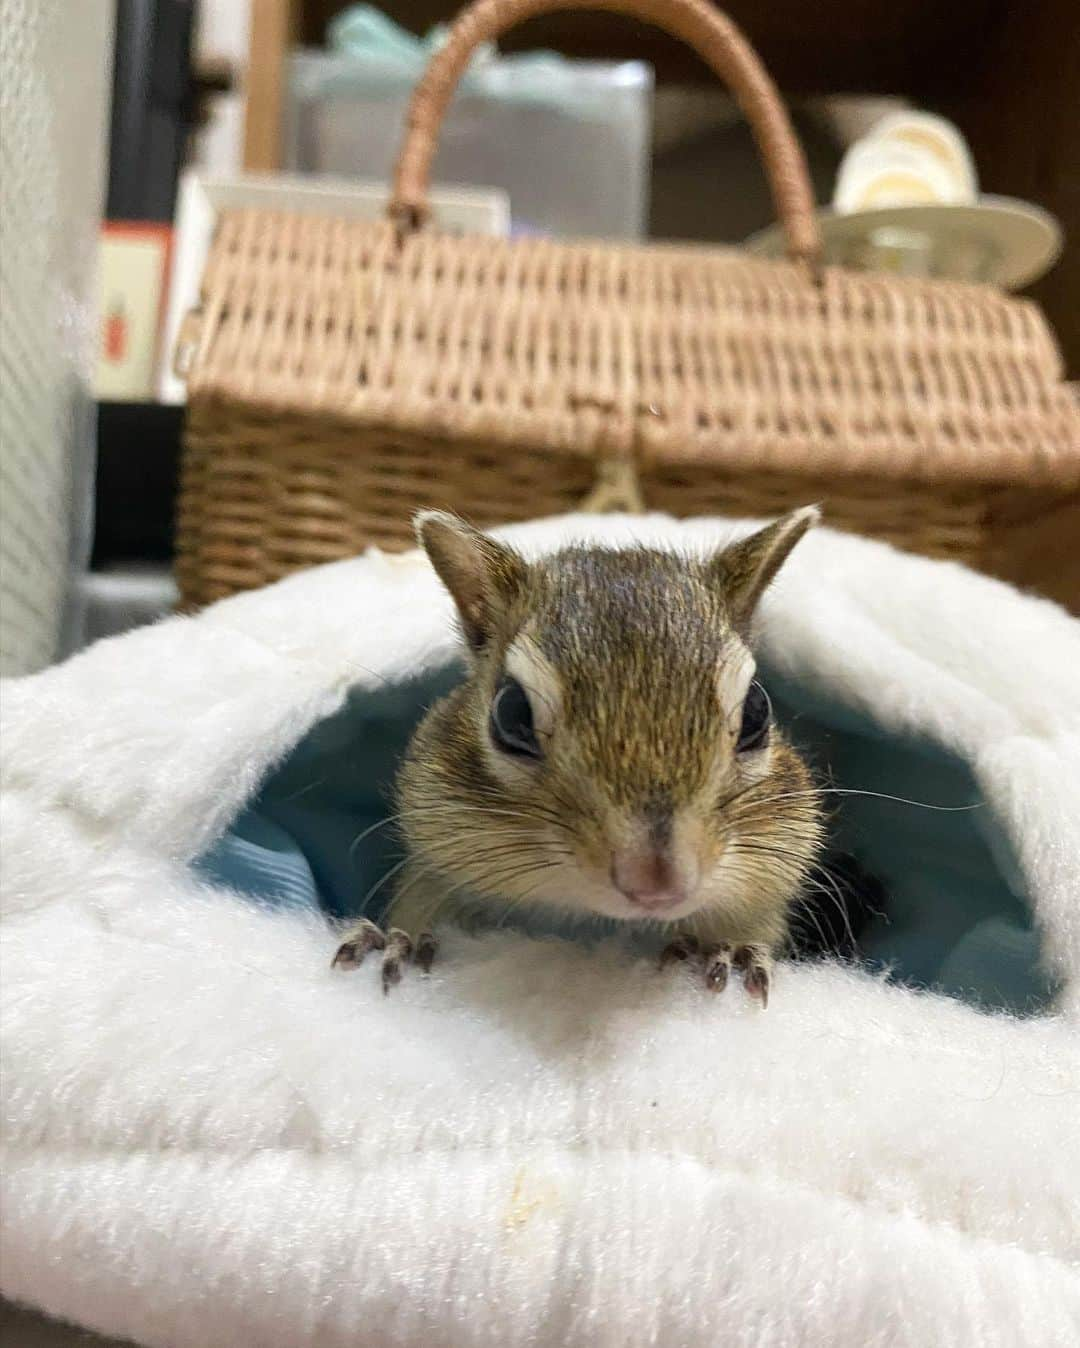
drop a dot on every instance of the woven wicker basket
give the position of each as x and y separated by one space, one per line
343 373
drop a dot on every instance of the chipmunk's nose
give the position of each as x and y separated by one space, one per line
652 878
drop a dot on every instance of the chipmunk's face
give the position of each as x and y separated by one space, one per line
613 752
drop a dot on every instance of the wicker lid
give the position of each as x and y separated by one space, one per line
666 353
670 352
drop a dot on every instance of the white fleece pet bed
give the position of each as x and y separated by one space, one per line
212 1139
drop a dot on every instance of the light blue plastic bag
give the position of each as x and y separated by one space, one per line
568 140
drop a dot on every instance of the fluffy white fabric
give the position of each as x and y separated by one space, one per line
211 1139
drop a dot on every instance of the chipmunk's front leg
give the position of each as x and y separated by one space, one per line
411 910
715 959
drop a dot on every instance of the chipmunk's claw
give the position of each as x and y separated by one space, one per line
756 982
756 963
716 961
718 965
424 953
365 936
398 953
397 946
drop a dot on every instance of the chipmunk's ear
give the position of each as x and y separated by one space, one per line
481 575
745 569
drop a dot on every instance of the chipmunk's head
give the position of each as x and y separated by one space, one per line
612 750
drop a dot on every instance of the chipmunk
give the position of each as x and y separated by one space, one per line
611 753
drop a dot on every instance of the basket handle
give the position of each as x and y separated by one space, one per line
712 34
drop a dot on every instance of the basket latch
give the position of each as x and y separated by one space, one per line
617 487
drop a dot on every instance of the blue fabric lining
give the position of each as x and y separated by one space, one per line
316 836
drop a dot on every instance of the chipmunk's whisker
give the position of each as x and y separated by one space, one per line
388 874
812 915
831 890
877 795
495 869
381 823
434 813
823 883
487 877
814 793
519 899
798 861
746 873
303 790
534 815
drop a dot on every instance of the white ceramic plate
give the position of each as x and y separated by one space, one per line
1006 242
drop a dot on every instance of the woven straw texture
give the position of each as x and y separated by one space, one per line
345 373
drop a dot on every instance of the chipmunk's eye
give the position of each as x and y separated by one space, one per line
756 716
511 720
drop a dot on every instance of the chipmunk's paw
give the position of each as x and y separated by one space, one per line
398 950
716 961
